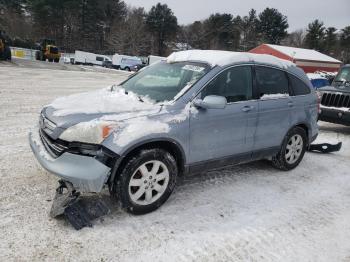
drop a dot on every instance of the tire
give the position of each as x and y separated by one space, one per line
127 69
37 55
139 170
56 60
7 53
292 150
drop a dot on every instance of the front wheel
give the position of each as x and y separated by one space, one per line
292 150
147 181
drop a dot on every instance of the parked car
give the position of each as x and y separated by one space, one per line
197 110
128 63
317 80
335 99
153 59
86 58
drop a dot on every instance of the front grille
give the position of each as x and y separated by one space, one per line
54 148
336 100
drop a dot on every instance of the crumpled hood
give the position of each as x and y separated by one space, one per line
340 88
106 103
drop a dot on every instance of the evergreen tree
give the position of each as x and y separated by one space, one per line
330 41
345 44
219 31
272 25
249 30
162 23
314 38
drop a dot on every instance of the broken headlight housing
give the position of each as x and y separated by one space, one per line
93 132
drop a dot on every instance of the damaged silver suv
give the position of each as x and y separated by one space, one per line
195 111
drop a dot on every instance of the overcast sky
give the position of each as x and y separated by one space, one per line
299 12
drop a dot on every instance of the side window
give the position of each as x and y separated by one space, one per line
235 84
271 82
99 58
299 87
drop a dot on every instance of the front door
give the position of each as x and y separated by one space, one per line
221 134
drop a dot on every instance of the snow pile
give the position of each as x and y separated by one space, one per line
107 100
313 76
222 58
274 96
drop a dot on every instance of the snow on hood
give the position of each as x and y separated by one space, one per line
107 100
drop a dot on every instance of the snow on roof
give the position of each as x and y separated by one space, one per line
304 54
223 58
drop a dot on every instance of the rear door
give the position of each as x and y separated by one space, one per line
305 108
225 133
274 108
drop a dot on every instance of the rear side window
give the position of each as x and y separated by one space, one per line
271 81
299 87
234 83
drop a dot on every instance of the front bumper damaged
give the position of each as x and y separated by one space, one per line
86 174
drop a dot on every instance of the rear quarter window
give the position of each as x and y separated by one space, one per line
298 87
271 81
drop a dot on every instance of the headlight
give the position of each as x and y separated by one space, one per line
93 132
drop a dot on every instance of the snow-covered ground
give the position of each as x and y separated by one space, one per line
245 213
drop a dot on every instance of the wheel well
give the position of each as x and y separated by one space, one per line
303 126
169 146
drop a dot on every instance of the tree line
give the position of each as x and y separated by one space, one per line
110 26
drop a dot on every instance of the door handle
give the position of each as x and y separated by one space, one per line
247 108
290 104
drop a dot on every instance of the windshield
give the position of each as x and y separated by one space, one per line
162 81
343 76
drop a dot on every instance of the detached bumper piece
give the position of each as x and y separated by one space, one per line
77 210
325 148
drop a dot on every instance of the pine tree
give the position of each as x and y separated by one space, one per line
272 25
330 40
249 30
162 23
345 44
314 38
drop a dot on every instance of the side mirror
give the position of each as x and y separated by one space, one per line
211 102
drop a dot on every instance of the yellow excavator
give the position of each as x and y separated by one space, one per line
5 51
47 50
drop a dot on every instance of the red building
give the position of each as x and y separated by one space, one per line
309 60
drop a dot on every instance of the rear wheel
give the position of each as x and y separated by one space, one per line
127 69
292 150
147 181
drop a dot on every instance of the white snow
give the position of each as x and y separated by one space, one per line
304 54
273 96
222 58
250 212
136 128
101 101
313 76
